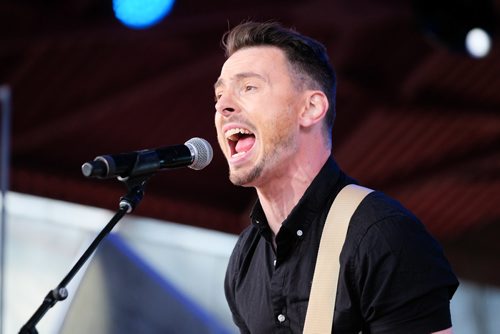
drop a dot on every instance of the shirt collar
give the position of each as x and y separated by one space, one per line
303 214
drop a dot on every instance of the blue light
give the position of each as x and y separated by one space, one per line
139 14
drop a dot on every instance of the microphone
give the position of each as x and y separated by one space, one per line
196 153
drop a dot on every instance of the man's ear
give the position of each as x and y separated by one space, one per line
315 108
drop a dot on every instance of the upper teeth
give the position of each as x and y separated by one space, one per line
230 134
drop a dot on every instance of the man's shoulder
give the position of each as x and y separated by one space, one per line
377 207
381 217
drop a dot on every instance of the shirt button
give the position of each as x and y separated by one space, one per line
257 222
299 233
281 318
274 262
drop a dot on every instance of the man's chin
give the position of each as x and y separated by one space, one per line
244 179
239 181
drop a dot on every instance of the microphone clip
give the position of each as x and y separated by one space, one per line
135 186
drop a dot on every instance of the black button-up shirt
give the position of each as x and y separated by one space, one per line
393 277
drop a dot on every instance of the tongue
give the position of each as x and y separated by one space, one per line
245 144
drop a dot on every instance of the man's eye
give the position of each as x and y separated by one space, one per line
248 88
217 97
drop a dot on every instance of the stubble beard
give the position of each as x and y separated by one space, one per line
283 144
246 179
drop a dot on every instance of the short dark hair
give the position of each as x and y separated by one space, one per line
306 56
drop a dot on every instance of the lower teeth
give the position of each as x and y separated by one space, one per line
238 154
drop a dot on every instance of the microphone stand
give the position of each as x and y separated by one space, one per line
135 186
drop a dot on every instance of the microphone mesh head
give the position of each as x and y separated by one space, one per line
201 151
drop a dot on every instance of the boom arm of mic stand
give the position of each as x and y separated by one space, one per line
128 203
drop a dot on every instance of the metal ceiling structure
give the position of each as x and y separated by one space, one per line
415 120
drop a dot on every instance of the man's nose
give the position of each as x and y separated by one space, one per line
226 105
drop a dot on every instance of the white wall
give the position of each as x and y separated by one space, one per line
46 237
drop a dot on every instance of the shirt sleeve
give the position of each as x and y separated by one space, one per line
403 279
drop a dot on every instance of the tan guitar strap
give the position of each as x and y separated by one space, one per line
319 316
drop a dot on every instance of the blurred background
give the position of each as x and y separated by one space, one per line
417 117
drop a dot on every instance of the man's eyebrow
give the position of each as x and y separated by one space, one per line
250 75
240 76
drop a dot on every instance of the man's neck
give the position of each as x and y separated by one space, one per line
279 197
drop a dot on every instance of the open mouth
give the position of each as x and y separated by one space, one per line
240 141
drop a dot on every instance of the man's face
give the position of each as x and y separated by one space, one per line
257 115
